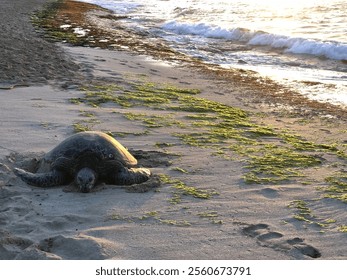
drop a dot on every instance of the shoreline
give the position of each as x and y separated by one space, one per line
239 180
106 32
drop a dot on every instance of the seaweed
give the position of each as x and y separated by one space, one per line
337 188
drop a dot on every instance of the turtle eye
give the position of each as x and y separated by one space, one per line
90 180
110 156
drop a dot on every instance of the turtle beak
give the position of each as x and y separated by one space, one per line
85 189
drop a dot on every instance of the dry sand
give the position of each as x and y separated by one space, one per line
238 221
25 58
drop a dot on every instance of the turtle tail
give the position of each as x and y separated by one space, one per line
49 179
132 176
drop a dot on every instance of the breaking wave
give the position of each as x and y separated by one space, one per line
329 49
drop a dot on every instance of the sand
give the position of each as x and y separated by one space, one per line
237 220
25 57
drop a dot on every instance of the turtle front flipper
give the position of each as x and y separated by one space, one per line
49 179
62 163
129 176
115 173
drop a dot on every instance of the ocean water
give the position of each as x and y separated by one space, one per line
299 43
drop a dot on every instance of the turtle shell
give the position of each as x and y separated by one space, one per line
89 144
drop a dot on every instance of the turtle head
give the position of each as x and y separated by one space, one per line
86 179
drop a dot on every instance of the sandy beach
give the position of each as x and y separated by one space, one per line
244 174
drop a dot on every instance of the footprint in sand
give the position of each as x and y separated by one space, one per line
11 245
277 241
73 248
270 193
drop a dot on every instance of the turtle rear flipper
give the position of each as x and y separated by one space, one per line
49 179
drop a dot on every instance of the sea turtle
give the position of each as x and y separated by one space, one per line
86 158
